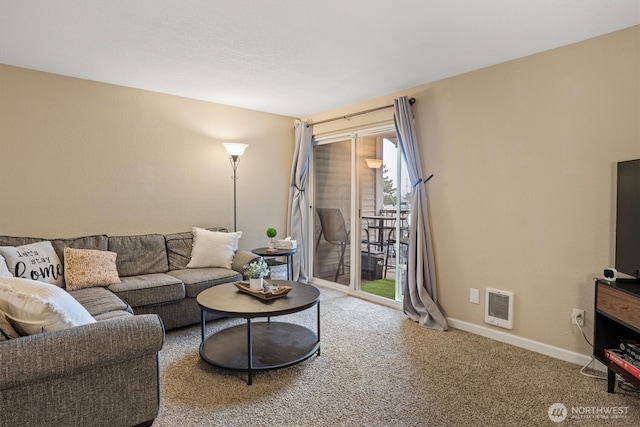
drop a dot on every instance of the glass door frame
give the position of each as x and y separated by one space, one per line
354 247
355 262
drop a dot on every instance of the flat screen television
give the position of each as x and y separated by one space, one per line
628 218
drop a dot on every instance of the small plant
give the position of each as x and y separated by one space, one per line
271 233
256 269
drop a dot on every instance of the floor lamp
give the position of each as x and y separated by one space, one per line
234 151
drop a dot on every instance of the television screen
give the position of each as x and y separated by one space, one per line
628 218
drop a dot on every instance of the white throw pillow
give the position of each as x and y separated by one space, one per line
33 307
238 236
35 261
4 270
213 248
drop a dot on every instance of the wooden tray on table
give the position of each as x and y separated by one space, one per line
264 295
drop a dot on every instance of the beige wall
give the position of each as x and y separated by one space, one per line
80 157
523 155
523 195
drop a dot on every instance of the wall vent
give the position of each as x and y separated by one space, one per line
499 308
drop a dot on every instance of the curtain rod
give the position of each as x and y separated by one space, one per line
348 116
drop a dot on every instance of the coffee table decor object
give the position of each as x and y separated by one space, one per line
269 291
271 233
256 271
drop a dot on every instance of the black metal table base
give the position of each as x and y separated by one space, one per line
258 345
271 345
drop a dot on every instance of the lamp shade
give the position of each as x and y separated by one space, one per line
374 163
234 149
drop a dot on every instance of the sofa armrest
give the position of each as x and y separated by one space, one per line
241 258
103 374
58 354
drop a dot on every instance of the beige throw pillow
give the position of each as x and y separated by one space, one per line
86 268
213 248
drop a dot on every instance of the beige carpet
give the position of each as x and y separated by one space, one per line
378 368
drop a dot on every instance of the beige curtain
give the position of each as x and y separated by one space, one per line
298 206
420 294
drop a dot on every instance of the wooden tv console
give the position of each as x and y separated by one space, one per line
617 317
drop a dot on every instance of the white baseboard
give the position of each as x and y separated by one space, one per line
538 347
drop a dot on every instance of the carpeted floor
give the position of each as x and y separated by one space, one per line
377 368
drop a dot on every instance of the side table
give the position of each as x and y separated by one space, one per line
288 253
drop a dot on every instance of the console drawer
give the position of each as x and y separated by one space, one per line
619 305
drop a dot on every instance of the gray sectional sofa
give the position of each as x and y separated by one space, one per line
106 373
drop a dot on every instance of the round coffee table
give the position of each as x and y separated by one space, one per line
259 345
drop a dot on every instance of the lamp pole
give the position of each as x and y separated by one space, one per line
235 160
234 150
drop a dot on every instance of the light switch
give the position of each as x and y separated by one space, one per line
474 296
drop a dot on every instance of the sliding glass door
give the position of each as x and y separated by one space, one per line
332 195
383 215
359 210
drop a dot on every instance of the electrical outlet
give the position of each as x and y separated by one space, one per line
577 317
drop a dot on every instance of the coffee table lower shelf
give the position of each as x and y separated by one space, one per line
272 345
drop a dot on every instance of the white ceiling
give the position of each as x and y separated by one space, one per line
291 57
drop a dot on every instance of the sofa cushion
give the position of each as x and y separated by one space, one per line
112 315
33 307
148 289
179 249
141 254
18 241
99 301
213 248
87 268
7 332
198 279
179 246
98 242
35 261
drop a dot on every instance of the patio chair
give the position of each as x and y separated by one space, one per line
334 230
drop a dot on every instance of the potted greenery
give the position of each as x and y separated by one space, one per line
256 271
271 233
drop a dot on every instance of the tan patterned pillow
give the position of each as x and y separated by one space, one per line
86 268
